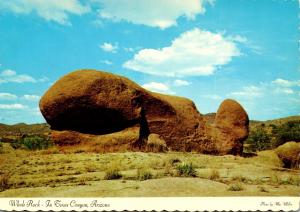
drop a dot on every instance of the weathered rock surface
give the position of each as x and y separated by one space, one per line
231 127
289 153
98 103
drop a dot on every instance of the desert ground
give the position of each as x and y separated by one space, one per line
56 173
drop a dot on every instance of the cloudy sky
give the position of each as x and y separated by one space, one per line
206 50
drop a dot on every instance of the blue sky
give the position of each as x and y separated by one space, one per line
206 50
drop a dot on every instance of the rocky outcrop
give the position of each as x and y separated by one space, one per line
99 103
230 127
289 153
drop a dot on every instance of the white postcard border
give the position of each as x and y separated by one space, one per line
152 203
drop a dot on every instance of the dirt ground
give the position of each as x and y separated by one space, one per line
51 173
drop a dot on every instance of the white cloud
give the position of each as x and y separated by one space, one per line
286 83
193 53
179 82
106 62
43 79
50 10
31 97
238 38
284 90
12 106
12 76
108 47
157 87
248 92
154 13
8 73
7 96
129 49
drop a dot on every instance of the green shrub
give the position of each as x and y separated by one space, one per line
289 131
186 170
112 174
259 139
144 174
236 187
32 143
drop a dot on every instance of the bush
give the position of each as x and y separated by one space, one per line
112 174
32 143
289 131
186 170
4 181
144 174
259 139
236 187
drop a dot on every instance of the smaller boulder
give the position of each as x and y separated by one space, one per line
289 153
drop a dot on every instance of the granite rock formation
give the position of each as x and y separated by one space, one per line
95 103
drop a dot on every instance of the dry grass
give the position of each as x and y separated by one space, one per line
144 174
156 144
263 189
112 174
32 171
214 175
4 181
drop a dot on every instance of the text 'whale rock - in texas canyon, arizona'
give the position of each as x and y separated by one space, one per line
95 107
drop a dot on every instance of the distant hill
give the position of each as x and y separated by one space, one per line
277 122
22 128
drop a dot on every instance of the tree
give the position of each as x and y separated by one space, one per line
259 139
289 131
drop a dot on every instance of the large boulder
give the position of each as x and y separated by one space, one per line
98 103
90 101
94 102
231 127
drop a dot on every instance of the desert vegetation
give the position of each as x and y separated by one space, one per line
28 172
270 135
34 142
29 163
